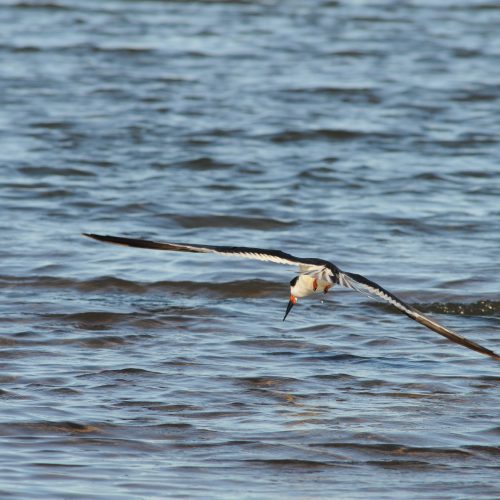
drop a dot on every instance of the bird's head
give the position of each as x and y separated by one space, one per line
293 296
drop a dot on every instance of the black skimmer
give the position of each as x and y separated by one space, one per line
316 276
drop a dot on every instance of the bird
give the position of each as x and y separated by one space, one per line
315 276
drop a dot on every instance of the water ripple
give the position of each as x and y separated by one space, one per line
358 132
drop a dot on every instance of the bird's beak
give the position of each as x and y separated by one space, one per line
293 300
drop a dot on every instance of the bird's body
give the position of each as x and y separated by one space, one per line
308 285
316 276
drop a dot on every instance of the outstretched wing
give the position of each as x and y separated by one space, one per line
276 256
368 287
307 266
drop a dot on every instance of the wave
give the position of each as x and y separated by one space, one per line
237 288
328 134
198 221
479 308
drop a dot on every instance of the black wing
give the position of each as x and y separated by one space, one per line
276 256
364 285
350 280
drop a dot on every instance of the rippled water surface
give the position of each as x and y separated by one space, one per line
362 132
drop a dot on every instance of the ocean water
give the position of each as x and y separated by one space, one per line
362 132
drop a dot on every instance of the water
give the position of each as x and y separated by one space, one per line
361 132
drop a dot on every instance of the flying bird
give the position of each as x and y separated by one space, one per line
315 276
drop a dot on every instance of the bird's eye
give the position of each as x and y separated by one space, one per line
294 281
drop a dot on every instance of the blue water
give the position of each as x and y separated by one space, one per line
365 133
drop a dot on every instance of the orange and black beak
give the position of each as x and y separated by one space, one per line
291 303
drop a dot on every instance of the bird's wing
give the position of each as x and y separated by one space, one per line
368 287
276 256
308 266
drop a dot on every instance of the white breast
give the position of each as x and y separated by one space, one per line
305 286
